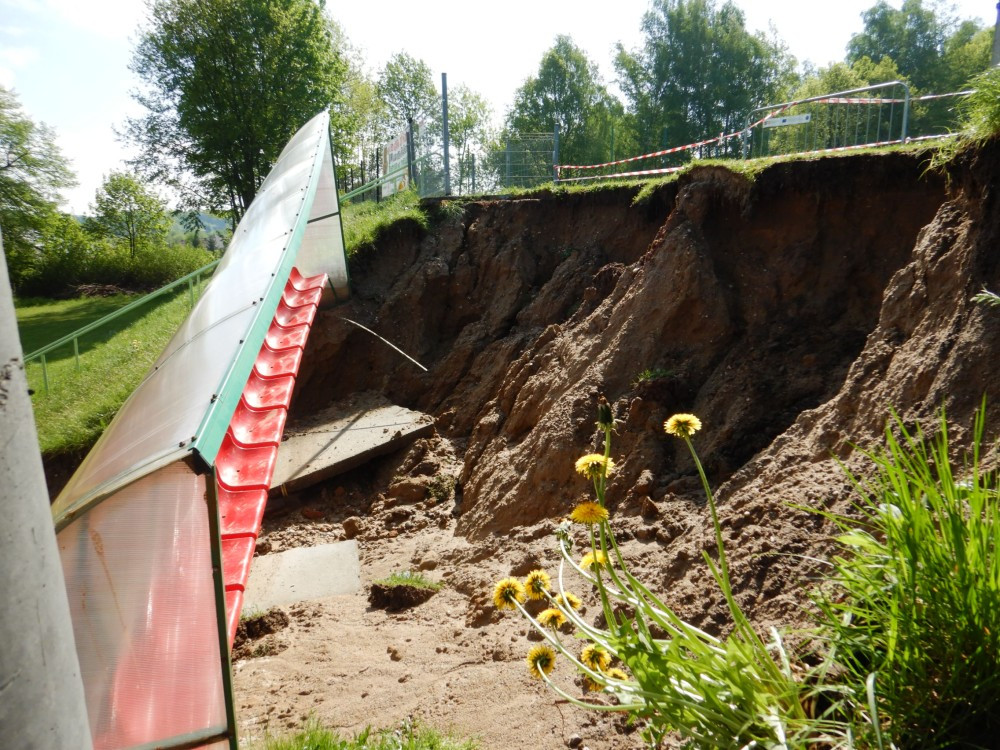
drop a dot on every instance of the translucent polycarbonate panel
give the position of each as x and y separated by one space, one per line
198 366
138 571
322 249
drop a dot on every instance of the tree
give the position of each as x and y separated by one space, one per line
407 87
469 117
228 82
567 92
935 51
699 73
126 209
32 172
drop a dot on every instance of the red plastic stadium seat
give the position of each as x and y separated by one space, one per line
297 281
237 552
241 468
294 316
271 363
278 337
268 393
241 511
254 427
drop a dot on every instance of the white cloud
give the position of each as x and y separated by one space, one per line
116 19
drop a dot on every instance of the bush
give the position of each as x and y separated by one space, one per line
70 257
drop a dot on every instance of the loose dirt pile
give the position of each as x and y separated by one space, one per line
790 314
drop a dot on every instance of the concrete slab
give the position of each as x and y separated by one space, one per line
344 436
302 574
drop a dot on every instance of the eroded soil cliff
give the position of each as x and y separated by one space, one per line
791 313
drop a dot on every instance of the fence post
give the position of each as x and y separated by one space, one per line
906 109
43 703
555 152
506 182
444 129
409 151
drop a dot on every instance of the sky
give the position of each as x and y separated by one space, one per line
68 60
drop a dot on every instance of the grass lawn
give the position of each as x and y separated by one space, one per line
80 403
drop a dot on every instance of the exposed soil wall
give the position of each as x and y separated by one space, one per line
790 313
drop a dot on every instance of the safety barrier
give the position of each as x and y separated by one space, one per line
800 131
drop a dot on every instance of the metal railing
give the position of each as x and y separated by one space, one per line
192 279
845 119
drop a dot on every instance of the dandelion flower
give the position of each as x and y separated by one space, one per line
589 512
594 465
591 559
591 685
605 420
507 592
596 657
536 584
682 425
616 674
569 600
541 659
551 618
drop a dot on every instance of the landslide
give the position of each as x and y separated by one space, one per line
790 312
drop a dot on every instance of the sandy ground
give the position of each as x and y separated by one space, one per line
453 663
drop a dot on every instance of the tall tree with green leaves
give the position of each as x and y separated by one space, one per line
567 92
127 210
699 72
32 172
406 85
469 116
934 50
227 83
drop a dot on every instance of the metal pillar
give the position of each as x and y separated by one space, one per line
555 152
995 58
444 130
42 702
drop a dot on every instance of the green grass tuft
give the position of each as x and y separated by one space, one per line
408 736
364 222
912 615
409 578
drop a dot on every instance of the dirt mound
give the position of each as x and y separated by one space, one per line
791 313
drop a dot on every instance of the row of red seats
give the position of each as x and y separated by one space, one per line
245 463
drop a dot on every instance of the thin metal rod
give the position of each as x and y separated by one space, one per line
385 341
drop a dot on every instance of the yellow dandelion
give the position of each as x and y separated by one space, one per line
593 465
589 512
551 618
541 659
591 559
682 425
508 591
569 600
592 686
616 674
536 584
596 657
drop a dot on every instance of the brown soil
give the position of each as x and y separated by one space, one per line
791 314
